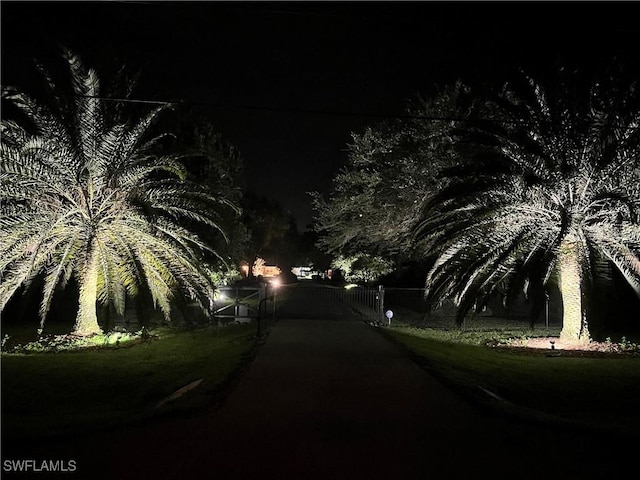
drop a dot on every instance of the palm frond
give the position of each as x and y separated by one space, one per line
573 174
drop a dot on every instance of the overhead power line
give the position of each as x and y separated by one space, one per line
340 113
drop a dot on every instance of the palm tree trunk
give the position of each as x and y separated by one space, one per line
574 320
87 318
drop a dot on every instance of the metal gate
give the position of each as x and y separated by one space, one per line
303 299
312 300
238 303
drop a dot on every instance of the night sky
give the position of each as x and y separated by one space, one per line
288 82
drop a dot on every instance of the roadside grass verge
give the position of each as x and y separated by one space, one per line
52 394
597 390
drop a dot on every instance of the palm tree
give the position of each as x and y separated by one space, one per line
85 196
557 199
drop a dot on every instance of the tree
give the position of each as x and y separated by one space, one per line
391 172
365 269
85 195
215 163
273 232
555 197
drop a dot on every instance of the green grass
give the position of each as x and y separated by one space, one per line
45 394
602 390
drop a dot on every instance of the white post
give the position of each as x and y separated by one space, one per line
546 307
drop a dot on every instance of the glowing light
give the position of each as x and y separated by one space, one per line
261 269
389 315
258 267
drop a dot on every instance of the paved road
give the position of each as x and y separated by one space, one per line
328 397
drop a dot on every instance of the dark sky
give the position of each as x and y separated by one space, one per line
288 82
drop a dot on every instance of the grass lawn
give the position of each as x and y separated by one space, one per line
601 389
46 394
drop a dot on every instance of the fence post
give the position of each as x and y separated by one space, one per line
381 303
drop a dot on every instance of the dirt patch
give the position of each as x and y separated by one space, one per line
550 345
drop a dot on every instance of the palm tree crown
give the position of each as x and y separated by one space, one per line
563 204
84 195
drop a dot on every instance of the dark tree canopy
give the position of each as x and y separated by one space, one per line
393 169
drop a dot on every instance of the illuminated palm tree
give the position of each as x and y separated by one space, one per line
83 195
557 199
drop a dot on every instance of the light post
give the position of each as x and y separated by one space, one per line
546 309
264 290
275 283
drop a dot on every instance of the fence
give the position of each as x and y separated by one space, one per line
380 305
408 305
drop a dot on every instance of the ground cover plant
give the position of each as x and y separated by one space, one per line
102 386
596 388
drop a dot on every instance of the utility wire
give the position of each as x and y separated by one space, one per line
340 113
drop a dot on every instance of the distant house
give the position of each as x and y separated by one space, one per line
302 272
266 271
306 272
